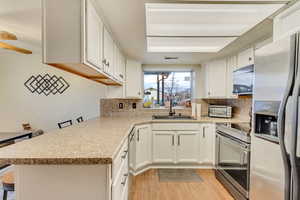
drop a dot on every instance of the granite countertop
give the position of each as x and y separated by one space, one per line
94 141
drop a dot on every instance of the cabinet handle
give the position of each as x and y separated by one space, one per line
178 138
132 136
138 136
203 132
125 179
173 143
125 154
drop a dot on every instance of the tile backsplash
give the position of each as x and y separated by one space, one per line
132 107
241 107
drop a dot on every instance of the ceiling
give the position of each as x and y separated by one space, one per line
23 18
126 20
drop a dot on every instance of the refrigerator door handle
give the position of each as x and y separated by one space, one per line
294 125
281 123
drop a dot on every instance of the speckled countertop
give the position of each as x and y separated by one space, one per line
95 141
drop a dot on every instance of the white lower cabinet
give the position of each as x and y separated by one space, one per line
176 146
164 147
207 143
142 146
119 187
165 144
188 146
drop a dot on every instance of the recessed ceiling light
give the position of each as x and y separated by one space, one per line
182 44
210 21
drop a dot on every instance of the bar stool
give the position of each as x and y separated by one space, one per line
65 124
8 183
79 119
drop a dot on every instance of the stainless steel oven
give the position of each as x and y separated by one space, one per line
233 160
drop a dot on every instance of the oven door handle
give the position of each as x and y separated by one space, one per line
234 141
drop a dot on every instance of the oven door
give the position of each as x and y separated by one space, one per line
233 161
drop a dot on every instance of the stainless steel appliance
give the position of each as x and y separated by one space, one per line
243 80
219 111
233 158
275 155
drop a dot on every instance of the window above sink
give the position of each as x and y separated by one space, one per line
160 87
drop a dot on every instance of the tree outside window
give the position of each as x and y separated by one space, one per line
161 87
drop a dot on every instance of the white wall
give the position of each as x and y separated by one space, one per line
196 74
18 105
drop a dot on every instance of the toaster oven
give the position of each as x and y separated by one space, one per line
220 111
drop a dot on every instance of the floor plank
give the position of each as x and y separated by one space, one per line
146 186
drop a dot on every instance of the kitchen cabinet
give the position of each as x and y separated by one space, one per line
245 58
231 66
94 32
287 22
216 73
164 147
134 79
142 146
119 69
207 143
188 145
108 53
83 45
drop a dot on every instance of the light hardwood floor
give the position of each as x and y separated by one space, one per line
146 186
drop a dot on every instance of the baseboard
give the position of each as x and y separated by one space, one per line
170 166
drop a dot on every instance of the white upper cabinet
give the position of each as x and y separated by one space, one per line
134 79
216 73
245 58
76 40
188 146
231 66
287 22
94 38
108 53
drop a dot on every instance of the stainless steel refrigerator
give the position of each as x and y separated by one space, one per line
275 150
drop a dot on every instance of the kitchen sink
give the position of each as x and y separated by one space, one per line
173 117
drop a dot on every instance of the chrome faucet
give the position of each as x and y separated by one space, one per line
171 112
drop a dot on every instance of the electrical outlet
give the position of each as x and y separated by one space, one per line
134 105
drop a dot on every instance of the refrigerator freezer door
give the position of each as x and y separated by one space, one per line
271 74
271 71
266 171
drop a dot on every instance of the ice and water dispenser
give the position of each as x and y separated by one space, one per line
265 119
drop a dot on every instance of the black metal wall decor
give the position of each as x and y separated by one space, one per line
46 84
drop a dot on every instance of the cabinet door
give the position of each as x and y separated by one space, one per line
108 52
164 147
94 37
217 79
133 79
143 146
246 58
188 145
207 144
132 150
231 66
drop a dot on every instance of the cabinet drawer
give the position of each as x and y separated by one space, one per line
175 126
120 159
119 186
